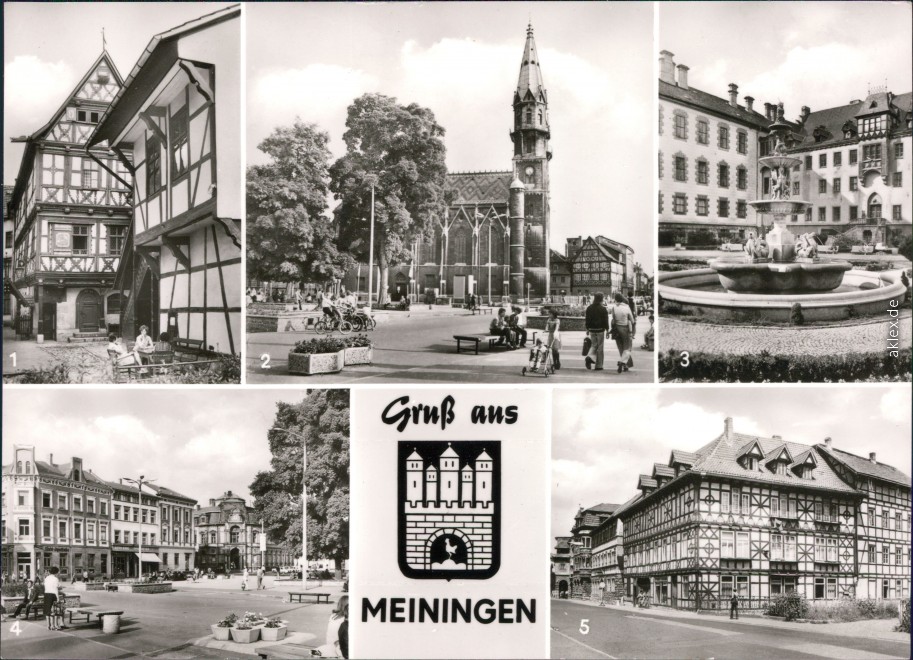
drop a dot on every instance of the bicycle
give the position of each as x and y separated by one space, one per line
329 324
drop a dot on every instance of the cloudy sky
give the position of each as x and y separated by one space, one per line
48 47
603 439
819 54
197 442
462 61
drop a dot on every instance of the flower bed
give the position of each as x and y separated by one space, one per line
145 588
320 355
358 350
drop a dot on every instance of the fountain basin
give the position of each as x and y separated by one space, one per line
779 277
698 293
780 207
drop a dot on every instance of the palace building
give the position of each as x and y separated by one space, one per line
228 537
494 240
70 212
54 515
176 131
760 517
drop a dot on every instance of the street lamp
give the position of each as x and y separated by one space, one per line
139 539
370 255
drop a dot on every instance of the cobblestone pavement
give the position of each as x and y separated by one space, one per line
863 337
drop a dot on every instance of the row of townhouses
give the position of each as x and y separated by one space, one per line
750 516
126 210
64 515
856 164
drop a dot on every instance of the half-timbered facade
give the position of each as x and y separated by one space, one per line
585 522
600 264
179 115
54 515
759 517
70 209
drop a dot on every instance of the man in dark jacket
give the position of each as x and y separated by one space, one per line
30 601
597 324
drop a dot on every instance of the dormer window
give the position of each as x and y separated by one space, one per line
872 125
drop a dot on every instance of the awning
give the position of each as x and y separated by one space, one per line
149 557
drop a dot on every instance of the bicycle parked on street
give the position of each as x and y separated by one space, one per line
329 324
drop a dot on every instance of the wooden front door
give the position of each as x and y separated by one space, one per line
49 321
88 311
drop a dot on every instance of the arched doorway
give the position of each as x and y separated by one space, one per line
874 207
400 286
867 236
234 558
562 588
88 310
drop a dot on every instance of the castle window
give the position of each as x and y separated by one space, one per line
723 175
835 217
703 172
822 186
741 178
808 162
723 207
896 212
897 179
854 183
838 158
529 116
723 137
680 204
854 156
540 117
703 205
703 131
822 160
898 150
681 125
835 186
681 168
235 535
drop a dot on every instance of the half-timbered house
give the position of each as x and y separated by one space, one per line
585 523
762 516
70 209
179 114
600 264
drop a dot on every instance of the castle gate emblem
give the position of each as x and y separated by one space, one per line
449 509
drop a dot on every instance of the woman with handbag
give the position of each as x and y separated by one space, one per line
622 331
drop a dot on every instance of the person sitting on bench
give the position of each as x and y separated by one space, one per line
124 358
163 345
30 602
517 322
499 326
144 344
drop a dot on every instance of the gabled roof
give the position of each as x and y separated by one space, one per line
28 155
646 481
682 457
833 120
663 470
749 446
714 104
156 60
480 187
779 453
805 458
602 249
866 467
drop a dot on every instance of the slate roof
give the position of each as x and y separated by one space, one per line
719 458
480 187
663 470
61 470
833 119
530 79
646 481
711 103
864 466
683 457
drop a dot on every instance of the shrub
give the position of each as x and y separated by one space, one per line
796 317
904 623
844 242
564 310
13 589
228 621
55 375
319 345
358 341
851 610
790 605
703 237
764 367
906 247
273 623
227 370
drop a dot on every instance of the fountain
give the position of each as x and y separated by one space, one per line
779 262
779 269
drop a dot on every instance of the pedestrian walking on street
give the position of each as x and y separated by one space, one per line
298 298
51 594
244 578
553 328
260 579
597 324
734 607
623 332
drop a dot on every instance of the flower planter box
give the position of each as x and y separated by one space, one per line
358 355
220 633
273 634
245 636
316 363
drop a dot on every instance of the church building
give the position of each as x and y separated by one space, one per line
494 240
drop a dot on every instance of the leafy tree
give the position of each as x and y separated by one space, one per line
321 422
400 149
289 235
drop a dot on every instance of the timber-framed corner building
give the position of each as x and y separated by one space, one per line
758 517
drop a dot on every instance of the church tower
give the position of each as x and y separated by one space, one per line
530 165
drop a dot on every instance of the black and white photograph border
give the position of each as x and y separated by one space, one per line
180 533
730 522
784 231
122 193
412 159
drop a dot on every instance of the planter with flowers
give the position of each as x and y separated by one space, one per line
273 630
322 355
221 631
247 629
359 350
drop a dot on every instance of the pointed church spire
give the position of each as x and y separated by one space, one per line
530 74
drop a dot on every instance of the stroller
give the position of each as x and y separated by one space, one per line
540 360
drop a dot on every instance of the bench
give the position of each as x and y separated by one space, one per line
110 587
185 346
296 596
482 310
475 340
88 612
287 651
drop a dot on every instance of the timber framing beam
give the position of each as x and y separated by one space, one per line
233 231
177 246
148 116
198 78
151 258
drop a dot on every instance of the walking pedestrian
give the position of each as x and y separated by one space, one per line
244 578
622 332
553 328
734 607
298 298
51 594
260 573
597 324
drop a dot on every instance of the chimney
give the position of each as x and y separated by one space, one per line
682 76
212 502
872 457
777 437
727 428
666 67
827 443
51 459
733 95
806 111
768 110
121 481
749 102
